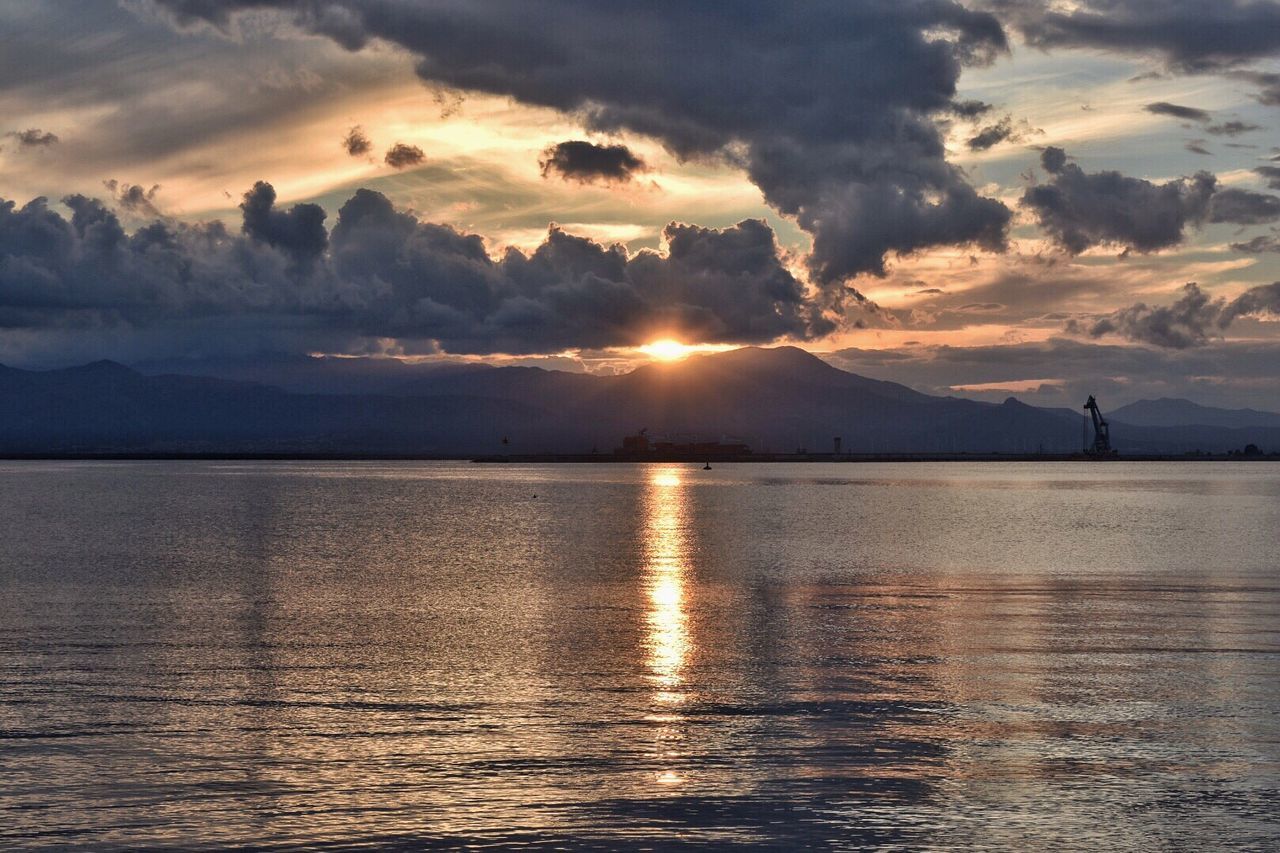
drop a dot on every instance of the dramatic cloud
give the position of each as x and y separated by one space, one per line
134 198
1188 35
971 109
1053 159
1005 130
1189 322
1080 210
1165 108
1258 245
33 138
586 162
298 232
1264 299
1231 128
1226 128
1186 323
1268 84
829 106
431 281
1242 207
383 274
357 142
1272 174
992 135
402 156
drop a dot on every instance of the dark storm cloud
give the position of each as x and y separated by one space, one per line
1053 159
1264 299
971 109
1005 130
298 232
1242 207
713 285
1191 321
1080 210
585 162
86 272
357 142
33 137
992 135
829 106
1231 128
382 273
1258 245
1187 322
134 198
1271 173
402 156
1225 128
1165 108
1268 84
1188 35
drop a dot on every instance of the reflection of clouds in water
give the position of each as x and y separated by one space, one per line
785 683
665 549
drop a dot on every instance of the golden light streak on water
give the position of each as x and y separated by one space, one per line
667 641
356 655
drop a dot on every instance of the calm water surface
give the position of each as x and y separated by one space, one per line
919 656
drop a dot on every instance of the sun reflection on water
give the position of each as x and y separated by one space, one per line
666 548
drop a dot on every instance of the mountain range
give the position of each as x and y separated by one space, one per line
778 400
1173 412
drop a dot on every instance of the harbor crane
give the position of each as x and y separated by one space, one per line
1101 432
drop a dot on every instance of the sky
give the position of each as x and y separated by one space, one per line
980 198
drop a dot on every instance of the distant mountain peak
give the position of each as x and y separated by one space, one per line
1175 411
788 357
103 367
770 397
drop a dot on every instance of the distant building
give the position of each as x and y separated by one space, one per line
640 444
635 443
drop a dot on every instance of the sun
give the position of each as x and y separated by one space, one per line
666 350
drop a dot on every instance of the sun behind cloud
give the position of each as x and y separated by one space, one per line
667 350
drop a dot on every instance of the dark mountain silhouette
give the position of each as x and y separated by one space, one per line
106 407
307 374
1173 412
775 400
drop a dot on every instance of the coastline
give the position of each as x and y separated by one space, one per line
611 458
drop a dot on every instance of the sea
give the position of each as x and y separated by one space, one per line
413 655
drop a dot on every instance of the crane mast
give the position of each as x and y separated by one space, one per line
1101 431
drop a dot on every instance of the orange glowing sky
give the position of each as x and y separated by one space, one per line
201 113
